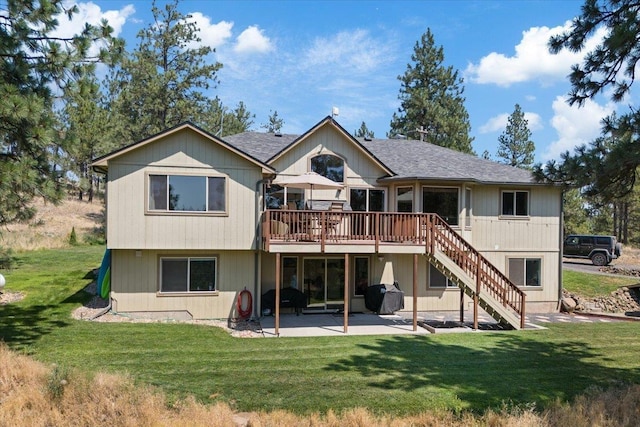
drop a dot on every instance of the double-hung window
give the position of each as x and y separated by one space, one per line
188 274
187 193
515 203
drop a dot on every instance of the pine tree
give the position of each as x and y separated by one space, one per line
363 132
608 168
274 124
161 83
431 100
515 145
34 63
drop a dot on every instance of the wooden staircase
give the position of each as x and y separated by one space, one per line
462 264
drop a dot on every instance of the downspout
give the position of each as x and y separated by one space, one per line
560 252
257 280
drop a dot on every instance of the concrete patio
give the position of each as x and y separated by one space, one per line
332 324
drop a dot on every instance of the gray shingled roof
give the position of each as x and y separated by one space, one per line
262 146
407 158
421 160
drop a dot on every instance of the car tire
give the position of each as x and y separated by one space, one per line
618 249
599 259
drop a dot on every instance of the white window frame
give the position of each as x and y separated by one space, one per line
413 196
468 207
213 288
167 211
515 203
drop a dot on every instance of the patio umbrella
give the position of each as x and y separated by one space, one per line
308 180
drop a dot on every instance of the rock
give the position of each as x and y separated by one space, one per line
568 304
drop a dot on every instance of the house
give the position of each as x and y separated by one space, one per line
193 220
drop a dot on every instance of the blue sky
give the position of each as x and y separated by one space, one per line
301 58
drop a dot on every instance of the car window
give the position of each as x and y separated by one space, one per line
572 241
602 240
586 240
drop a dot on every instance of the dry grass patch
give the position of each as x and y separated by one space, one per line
52 225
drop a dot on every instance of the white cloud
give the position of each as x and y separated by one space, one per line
253 40
575 126
495 124
212 35
92 14
531 61
499 123
348 50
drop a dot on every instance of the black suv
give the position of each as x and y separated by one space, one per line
601 250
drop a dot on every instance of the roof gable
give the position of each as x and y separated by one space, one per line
101 163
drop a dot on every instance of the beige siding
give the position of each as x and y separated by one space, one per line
360 170
135 284
130 227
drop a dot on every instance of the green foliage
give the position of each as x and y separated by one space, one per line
34 63
515 145
73 239
274 124
363 132
431 99
162 82
56 383
7 259
576 215
609 166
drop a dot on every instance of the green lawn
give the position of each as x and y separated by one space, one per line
593 285
391 374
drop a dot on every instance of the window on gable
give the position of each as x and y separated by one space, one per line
515 203
525 271
188 274
329 166
187 193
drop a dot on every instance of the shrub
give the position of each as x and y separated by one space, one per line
6 258
73 239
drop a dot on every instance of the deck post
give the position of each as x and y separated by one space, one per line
476 294
266 230
323 230
277 307
346 293
461 305
415 292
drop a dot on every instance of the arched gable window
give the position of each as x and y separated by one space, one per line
329 166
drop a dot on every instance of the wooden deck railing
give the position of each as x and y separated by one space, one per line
426 230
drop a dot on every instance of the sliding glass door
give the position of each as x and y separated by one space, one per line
324 283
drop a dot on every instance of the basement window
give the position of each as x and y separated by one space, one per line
188 274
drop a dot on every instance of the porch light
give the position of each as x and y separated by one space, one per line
380 257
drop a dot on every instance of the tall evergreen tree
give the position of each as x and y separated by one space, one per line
606 168
162 82
82 118
274 124
363 132
221 121
431 100
32 64
515 145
